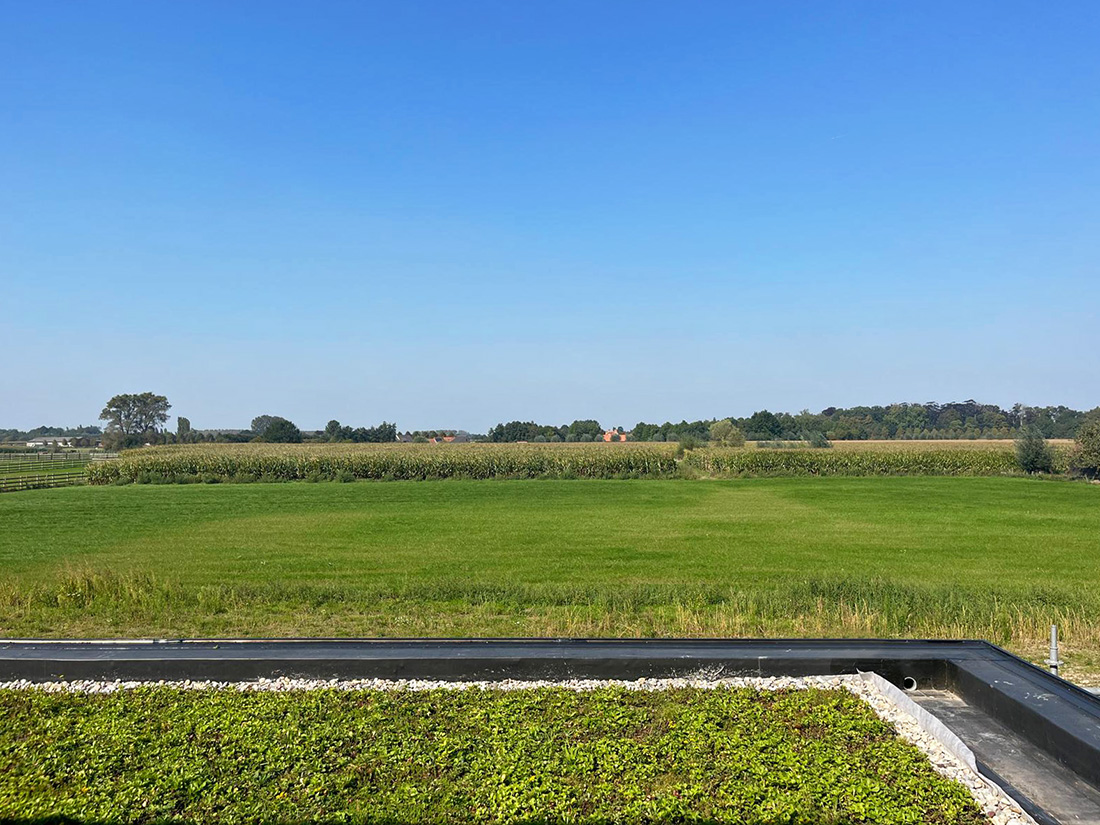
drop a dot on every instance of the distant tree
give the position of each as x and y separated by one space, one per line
726 434
645 432
136 414
382 434
948 419
183 429
518 431
261 422
764 424
282 431
806 421
1085 458
332 430
1033 453
588 425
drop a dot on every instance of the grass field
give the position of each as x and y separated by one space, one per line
997 558
547 755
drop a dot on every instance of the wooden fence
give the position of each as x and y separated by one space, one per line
31 482
28 471
30 463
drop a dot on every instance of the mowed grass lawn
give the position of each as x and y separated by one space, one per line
998 558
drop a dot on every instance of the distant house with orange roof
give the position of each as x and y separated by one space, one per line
462 437
614 435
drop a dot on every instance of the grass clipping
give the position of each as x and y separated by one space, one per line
546 755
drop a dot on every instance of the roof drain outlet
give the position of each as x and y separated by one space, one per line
909 683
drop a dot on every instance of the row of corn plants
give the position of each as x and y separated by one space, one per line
295 462
899 461
385 462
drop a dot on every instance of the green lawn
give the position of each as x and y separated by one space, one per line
998 558
548 755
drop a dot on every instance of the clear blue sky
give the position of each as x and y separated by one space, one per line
452 214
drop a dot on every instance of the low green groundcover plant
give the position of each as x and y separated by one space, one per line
547 755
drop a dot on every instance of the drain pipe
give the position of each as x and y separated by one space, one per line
1054 662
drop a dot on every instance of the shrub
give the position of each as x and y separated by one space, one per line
726 434
1033 454
1085 458
685 443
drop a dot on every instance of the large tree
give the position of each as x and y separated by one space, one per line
136 413
281 431
764 424
261 422
588 426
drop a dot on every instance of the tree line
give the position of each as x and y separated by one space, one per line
905 421
140 418
135 419
82 435
956 420
274 429
581 430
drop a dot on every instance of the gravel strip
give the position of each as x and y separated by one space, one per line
994 802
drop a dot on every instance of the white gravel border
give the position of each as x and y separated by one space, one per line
946 753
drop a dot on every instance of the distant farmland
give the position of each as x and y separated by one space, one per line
319 462
995 558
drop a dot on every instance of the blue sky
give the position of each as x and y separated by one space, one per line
453 214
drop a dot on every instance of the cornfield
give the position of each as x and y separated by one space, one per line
902 460
316 462
397 462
